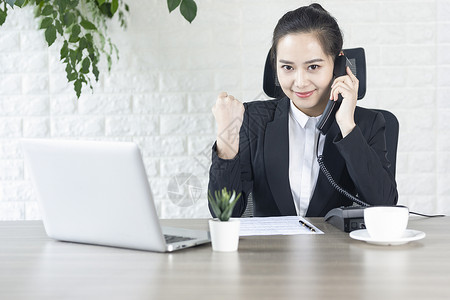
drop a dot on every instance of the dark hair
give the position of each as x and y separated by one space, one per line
309 19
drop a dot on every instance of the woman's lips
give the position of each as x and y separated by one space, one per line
305 94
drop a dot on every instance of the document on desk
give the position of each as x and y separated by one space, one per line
277 226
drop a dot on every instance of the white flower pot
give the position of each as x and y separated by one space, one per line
224 235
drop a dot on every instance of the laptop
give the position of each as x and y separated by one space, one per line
98 193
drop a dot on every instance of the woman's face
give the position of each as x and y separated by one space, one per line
305 72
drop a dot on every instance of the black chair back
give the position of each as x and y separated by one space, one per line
391 133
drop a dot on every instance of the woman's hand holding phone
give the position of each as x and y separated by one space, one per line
347 87
229 113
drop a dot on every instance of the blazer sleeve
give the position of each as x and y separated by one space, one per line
367 163
234 174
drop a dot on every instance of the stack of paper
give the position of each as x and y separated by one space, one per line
277 226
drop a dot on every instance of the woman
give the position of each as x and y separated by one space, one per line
274 155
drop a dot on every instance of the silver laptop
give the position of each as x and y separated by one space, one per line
98 193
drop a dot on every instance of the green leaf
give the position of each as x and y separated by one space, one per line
20 3
105 9
73 3
109 60
72 76
85 65
95 71
172 4
114 6
75 32
68 69
88 25
59 27
73 39
214 205
76 29
68 19
48 10
2 17
62 4
83 79
92 56
50 35
40 3
229 209
64 50
89 38
100 2
46 22
77 87
79 55
10 2
83 43
188 9
73 57
71 73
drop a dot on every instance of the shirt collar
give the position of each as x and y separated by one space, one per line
300 116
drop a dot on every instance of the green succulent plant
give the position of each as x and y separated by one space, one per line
223 203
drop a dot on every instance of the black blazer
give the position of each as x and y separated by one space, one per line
357 163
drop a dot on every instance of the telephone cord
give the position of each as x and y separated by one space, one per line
335 185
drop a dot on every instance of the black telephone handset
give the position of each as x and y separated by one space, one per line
328 115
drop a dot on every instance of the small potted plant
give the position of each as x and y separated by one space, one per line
224 230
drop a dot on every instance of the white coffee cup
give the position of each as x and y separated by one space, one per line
386 222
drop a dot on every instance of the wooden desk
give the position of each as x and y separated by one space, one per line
329 266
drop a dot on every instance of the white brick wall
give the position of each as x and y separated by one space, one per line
442 108
160 93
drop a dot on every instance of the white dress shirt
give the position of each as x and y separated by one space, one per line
303 165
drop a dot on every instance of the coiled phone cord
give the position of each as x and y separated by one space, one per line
330 179
335 185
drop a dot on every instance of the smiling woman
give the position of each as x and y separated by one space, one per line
272 157
304 72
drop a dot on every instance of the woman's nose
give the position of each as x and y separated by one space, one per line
301 79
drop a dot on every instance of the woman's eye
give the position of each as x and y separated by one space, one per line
287 68
313 67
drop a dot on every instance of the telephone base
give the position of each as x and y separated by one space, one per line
346 218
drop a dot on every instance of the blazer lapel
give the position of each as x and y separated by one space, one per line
276 159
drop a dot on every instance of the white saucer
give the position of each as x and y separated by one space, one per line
408 236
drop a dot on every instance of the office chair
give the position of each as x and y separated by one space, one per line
391 133
357 63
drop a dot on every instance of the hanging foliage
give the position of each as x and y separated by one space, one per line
82 27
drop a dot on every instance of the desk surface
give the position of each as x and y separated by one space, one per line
329 266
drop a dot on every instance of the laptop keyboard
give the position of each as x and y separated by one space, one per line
175 238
